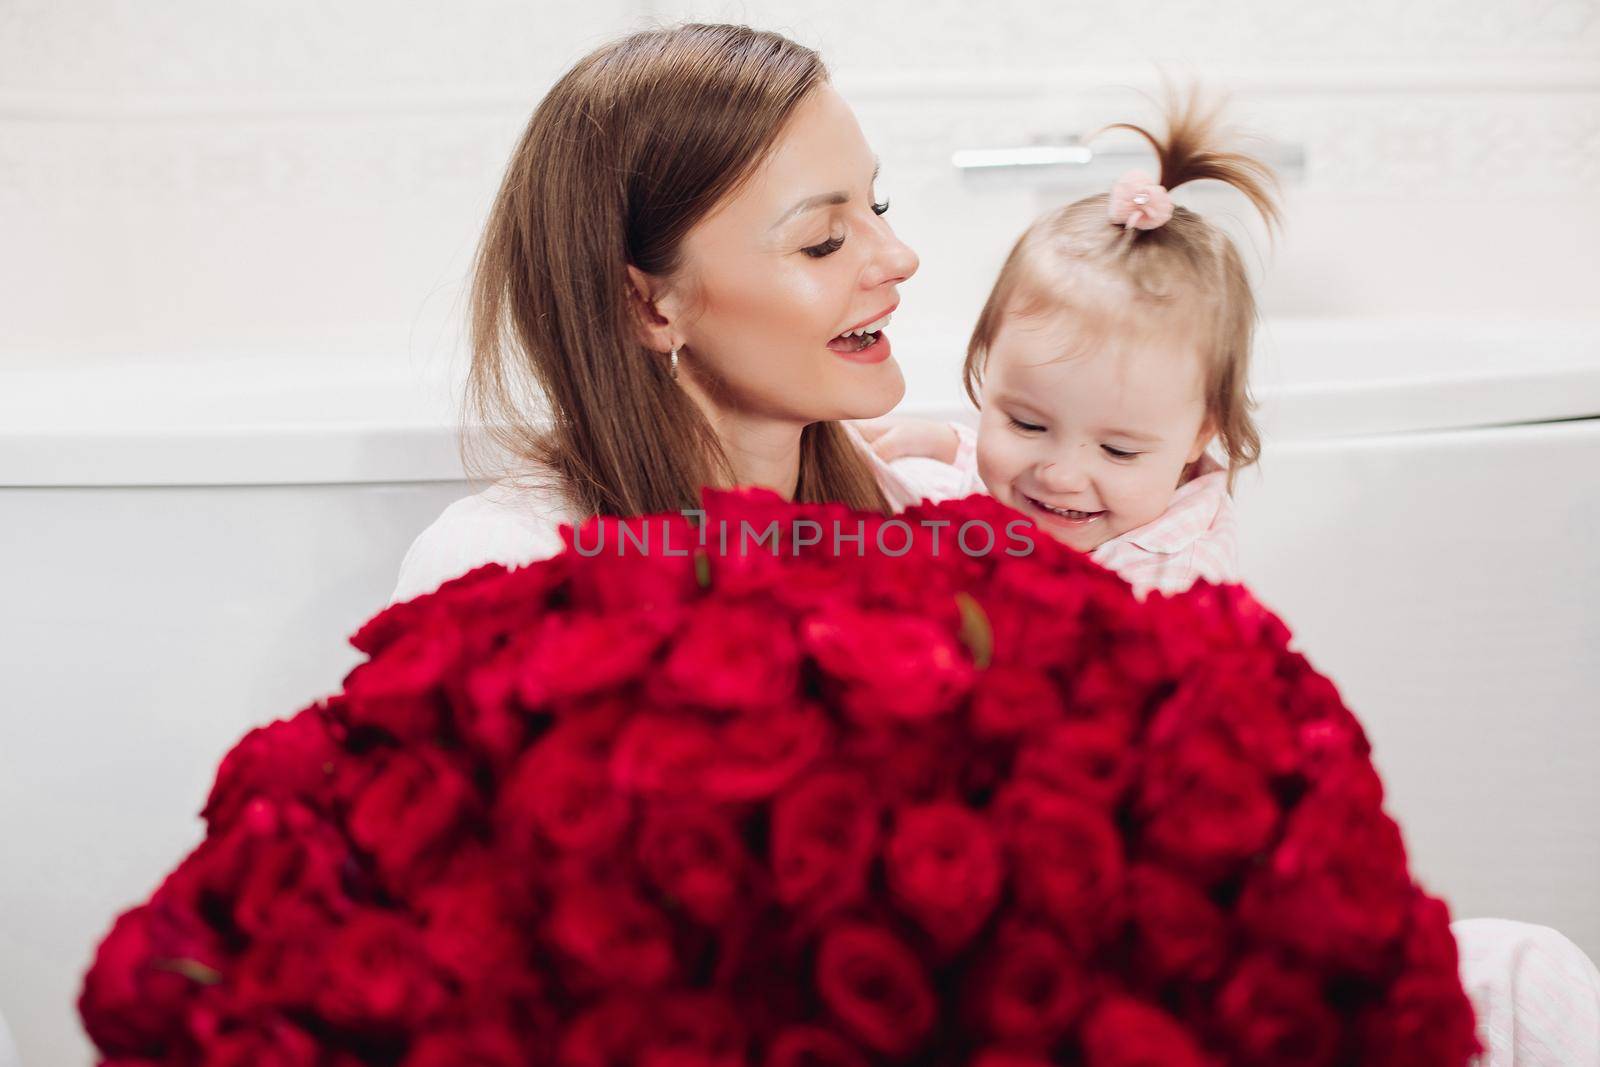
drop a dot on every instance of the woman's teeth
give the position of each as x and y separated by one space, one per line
871 327
861 339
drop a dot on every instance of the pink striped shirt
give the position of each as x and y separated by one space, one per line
1195 537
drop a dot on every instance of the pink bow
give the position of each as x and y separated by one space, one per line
1137 201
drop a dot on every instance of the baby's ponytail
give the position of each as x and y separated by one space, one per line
1196 148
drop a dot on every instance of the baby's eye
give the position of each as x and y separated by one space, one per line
1119 453
1025 427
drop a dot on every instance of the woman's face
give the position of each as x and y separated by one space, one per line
784 266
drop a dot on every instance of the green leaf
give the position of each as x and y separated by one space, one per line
193 970
976 633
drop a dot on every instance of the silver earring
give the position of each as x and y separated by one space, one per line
674 368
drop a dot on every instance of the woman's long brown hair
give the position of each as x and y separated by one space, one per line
634 145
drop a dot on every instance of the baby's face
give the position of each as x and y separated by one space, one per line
1088 445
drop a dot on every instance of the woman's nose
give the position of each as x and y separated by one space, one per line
894 262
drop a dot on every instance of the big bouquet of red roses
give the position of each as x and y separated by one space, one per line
798 803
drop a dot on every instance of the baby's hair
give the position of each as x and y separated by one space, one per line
1074 258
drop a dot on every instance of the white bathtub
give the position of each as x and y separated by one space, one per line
189 544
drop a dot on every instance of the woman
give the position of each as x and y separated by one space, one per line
677 263
683 244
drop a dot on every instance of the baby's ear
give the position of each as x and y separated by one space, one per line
1208 431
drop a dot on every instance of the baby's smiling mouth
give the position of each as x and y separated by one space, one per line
1065 513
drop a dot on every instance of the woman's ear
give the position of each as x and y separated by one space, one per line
654 310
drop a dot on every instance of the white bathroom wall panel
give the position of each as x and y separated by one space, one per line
210 178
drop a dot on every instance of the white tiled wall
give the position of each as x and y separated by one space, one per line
203 177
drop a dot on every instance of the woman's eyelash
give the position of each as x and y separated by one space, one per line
833 244
826 248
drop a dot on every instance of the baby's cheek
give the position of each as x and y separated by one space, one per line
1142 499
997 466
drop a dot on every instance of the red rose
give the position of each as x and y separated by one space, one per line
824 838
1009 701
1088 759
290 759
1233 617
694 856
693 1029
398 690
1424 1018
396 620
687 1028
624 564
889 666
604 1034
276 870
282 973
944 866
812 1046
300 876
1327 733
1178 932
1029 988
757 755
376 976
876 988
484 1045
1336 887
993 1057
155 960
1204 808
1429 944
1039 613
1238 699
1100 694
265 1042
488 717
1273 1014
473 926
1066 860
731 657
574 656
912 761
1120 1031
410 813
612 937
561 791
496 598
747 758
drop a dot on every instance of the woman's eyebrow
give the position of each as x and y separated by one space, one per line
823 199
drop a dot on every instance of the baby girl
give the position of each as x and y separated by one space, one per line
1109 364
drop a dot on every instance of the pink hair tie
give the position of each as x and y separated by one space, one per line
1139 202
